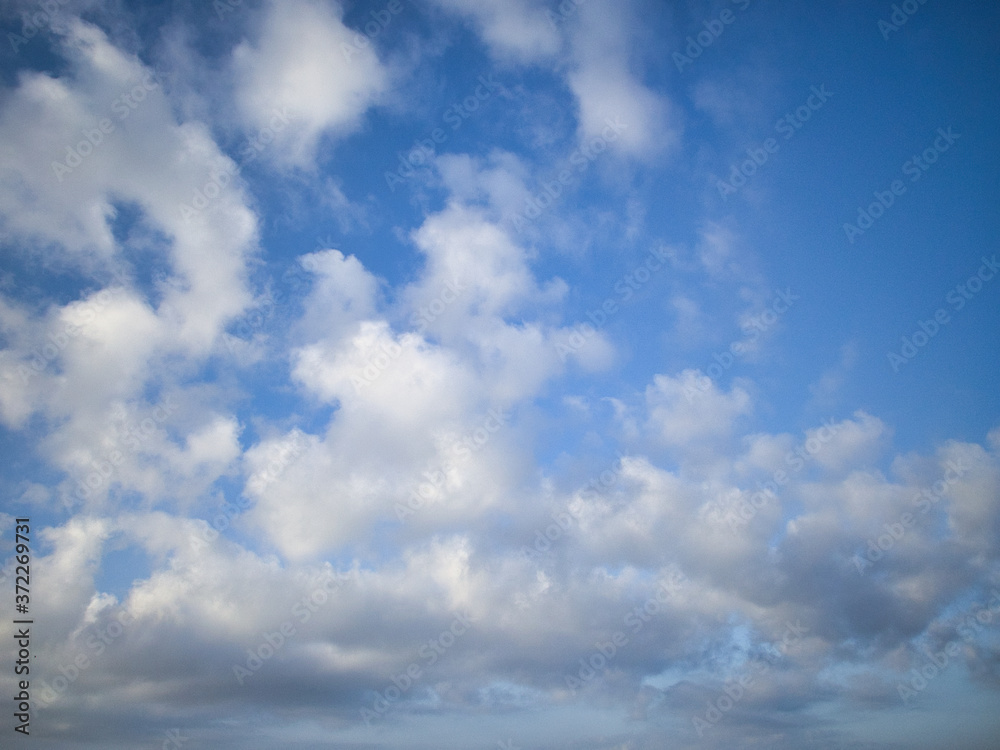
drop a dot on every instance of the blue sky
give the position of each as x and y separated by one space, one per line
587 375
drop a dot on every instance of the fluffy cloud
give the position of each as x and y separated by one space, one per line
305 76
519 29
593 43
402 485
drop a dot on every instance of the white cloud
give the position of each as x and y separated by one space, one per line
607 89
344 293
85 358
536 616
297 80
857 441
684 411
517 30
826 389
405 422
147 159
594 45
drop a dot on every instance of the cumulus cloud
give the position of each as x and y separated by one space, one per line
297 80
684 408
519 30
593 45
607 88
400 484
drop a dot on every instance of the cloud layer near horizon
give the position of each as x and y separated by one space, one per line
504 456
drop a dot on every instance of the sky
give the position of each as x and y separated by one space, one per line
518 375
